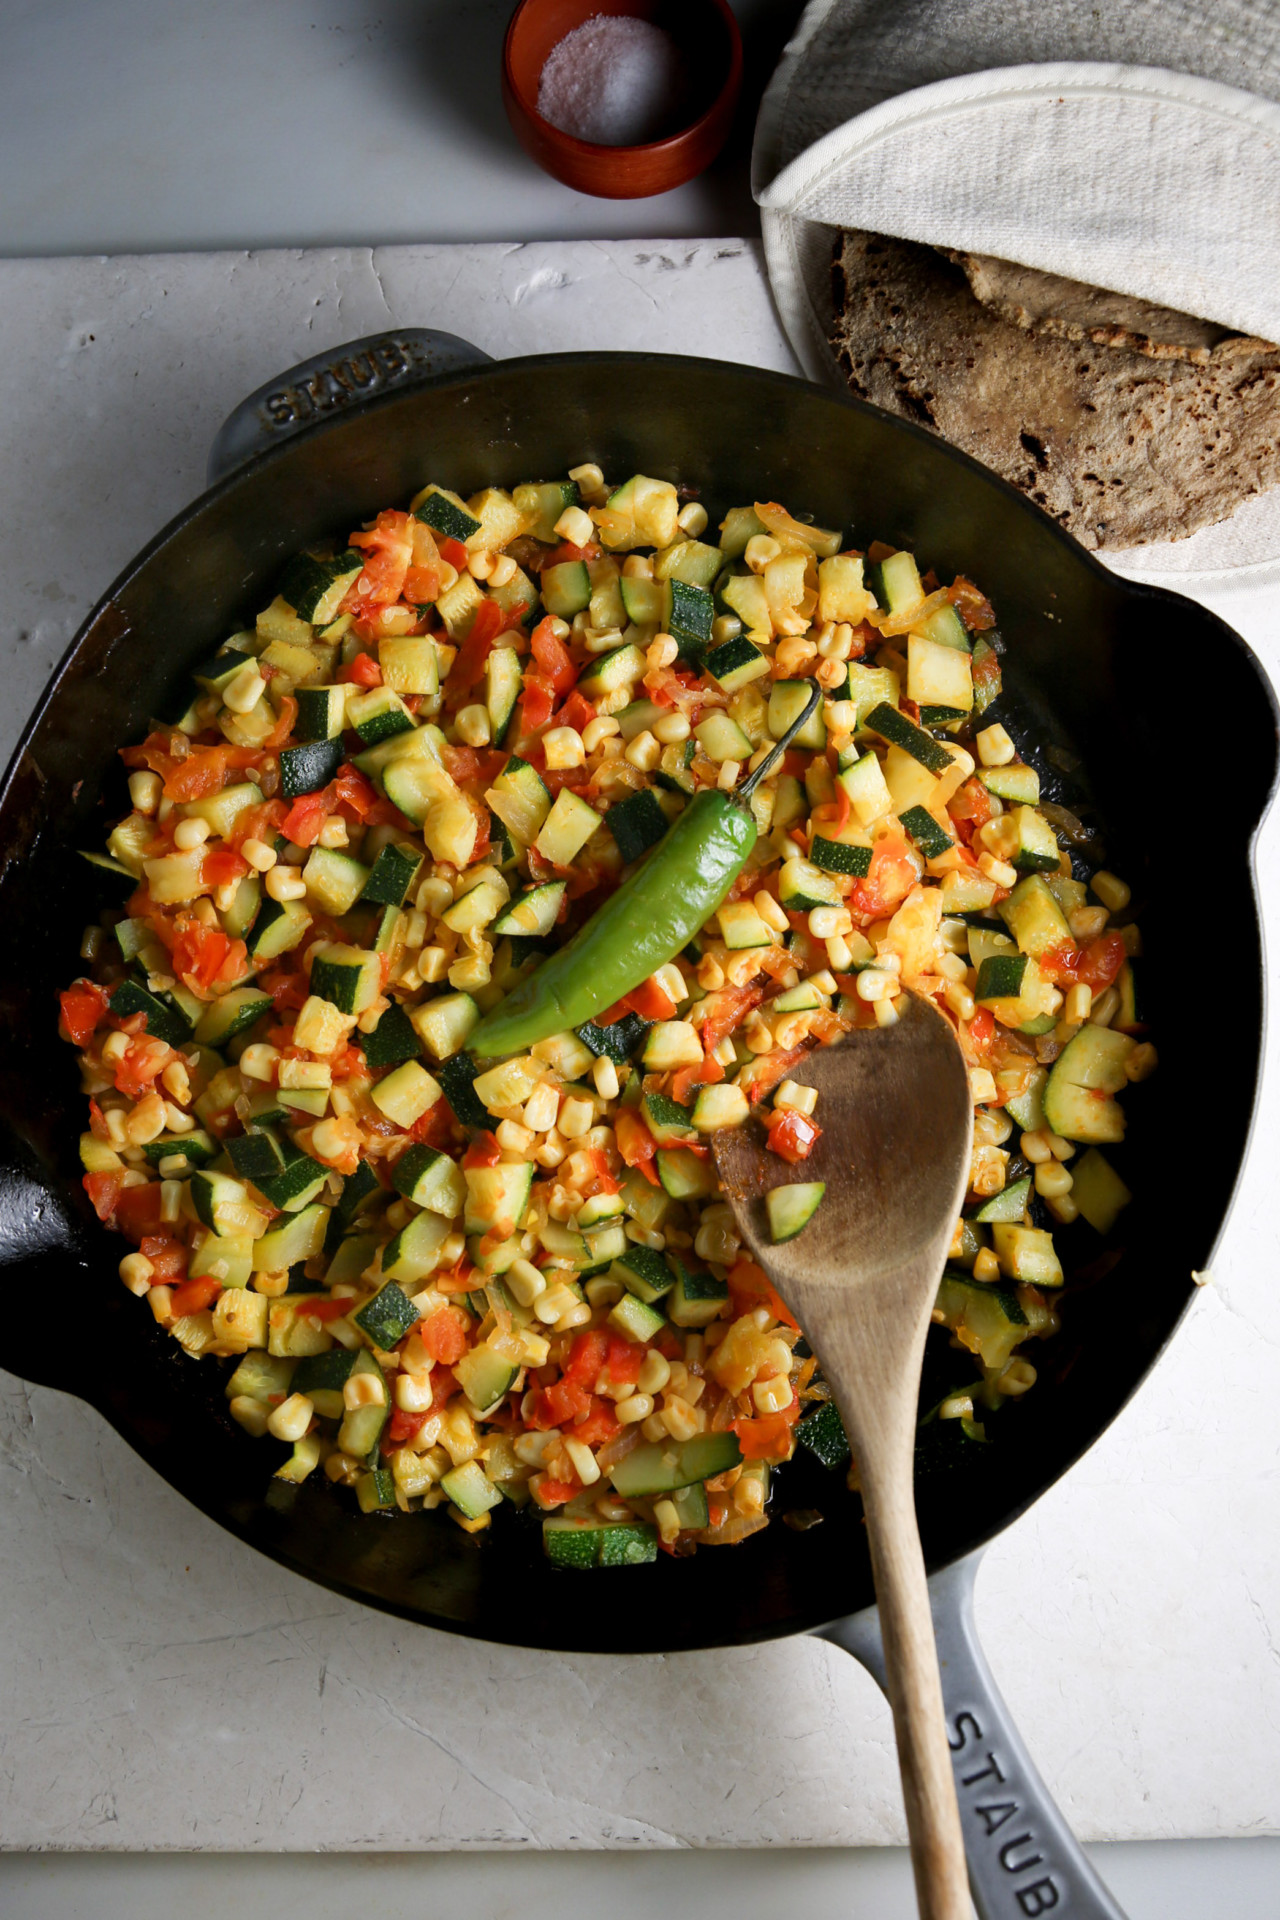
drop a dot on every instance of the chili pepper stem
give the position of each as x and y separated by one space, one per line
770 761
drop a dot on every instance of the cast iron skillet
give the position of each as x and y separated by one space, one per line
1107 671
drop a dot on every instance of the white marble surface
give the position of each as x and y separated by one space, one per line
161 1686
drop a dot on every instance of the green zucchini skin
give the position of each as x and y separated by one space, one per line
654 913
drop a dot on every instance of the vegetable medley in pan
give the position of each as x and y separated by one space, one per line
522 843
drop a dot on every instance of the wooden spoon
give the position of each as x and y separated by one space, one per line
862 1277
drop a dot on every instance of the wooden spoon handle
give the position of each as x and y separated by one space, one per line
915 1691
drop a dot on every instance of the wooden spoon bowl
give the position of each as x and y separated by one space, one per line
862 1277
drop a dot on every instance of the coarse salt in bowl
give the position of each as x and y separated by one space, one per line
622 100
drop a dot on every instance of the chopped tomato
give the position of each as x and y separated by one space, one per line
982 1029
304 820
404 1425
553 657
601 1424
434 1128
456 1279
576 712
257 823
444 1335
444 1384
103 1190
635 1143
138 1211
973 607
288 992
168 1257
84 1007
564 1401
844 808
624 1360
793 1136
284 724
970 803
769 1436
363 671
557 556
889 880
726 1008
536 702
388 545
454 552
771 1069
651 1001
484 1151
706 1075
139 1066
193 1296
587 1355
551 1493
199 953
353 790
468 668
221 865
205 771
750 1286
321 1309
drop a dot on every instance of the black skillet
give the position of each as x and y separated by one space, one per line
1107 673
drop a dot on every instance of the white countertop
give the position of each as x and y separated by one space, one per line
162 1686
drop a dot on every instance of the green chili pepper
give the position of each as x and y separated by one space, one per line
648 921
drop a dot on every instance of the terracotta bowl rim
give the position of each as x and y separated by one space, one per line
571 142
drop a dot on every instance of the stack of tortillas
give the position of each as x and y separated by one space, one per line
1071 270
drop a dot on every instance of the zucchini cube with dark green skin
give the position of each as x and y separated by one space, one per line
321 713
1010 1204
393 875
695 1300
1000 977
618 1041
839 856
316 585
256 1156
294 1185
379 715
307 768
348 977
670 1124
387 1317
822 1432
588 1543
358 1189
1037 849
644 1272
901 732
688 612
393 1040
895 582
376 1491
230 1014
662 1466
532 914
277 929
430 1179
165 1020
215 674
925 832
445 515
457 1075
735 663
636 824
566 588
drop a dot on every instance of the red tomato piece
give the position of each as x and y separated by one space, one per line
624 1359
553 657
454 552
444 1335
769 1436
403 1426
363 671
635 1143
389 547
138 1211
576 712
601 1424
84 1006
749 1287
982 1029
536 703
193 1296
468 668
587 1356
565 1401
567 551
304 820
484 1151
103 1190
793 1136
552 1493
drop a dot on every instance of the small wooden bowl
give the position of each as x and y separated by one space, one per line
705 31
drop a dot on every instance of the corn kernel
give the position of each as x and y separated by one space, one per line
672 728
364 1390
597 731
644 752
575 1118
661 652
772 1396
667 1520
282 884
564 747
982 1086
998 870
1114 893
590 483
584 1461
290 1420
604 1076
253 1415
190 834
1087 923
136 1271
145 791
985 1265
678 1419
995 748
1052 1180
576 526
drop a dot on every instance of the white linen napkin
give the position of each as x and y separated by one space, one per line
1058 136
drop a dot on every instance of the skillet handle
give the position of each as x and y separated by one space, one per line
1024 1860
329 382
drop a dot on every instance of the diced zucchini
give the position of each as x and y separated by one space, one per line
598 1543
415 1251
722 739
165 1020
636 823
407 1093
470 1491
741 927
301 1236
230 1014
392 1040
566 829
362 1426
739 525
261 1376
822 1431
787 701
1026 1108
485 1377
612 672
736 663
430 1178
476 907
662 1466
277 929
791 1208
864 783
641 600
393 875
307 768
457 1075
410 665
670 1124
541 505
347 977
841 856
717 1107
989 1319
379 715
459 606
697 1298
842 593
641 513
387 1317
802 886
1026 1254
1037 845
1078 1102
1034 917
1098 1191
1015 783
635 1321
497 1198
687 614
315 585
445 513
220 809
503 685
443 1024
895 582
1010 1204
670 1044
685 1177
898 731
644 1272
520 800
334 881
566 588
618 1041
938 676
